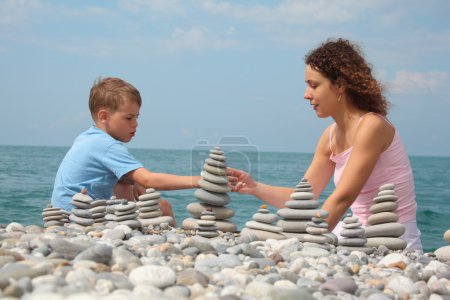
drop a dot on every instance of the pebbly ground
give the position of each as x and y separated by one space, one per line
115 262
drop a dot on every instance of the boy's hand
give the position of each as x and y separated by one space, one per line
241 181
138 190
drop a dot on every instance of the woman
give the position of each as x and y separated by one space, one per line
362 148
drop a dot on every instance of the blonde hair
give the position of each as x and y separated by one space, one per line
110 93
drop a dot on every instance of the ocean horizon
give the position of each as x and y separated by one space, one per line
27 174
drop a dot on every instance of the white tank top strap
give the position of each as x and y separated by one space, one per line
331 136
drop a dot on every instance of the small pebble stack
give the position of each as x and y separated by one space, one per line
299 211
150 209
262 227
207 224
126 214
98 211
111 208
54 216
352 234
318 233
81 213
383 228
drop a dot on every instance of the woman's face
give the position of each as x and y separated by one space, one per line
321 93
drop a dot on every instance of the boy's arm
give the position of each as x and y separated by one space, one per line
162 181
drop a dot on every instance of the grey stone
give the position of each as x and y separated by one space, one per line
391 243
263 226
386 229
354 232
382 217
221 213
344 284
99 253
302 204
352 242
150 196
385 198
265 218
215 170
387 186
293 225
214 178
302 196
383 206
217 199
213 187
294 214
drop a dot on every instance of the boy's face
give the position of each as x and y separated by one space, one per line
122 123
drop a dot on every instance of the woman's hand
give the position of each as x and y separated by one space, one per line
241 182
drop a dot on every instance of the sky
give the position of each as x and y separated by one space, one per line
209 70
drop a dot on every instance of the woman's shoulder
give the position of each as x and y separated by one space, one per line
375 128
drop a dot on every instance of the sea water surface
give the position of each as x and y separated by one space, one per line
27 174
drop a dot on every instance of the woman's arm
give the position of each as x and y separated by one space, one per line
373 136
321 167
318 174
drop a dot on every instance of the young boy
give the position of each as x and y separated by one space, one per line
98 159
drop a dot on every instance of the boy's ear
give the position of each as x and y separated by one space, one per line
102 115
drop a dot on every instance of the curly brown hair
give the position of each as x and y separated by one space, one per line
342 62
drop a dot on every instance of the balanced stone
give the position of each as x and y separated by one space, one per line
217 199
305 204
382 217
318 233
214 178
213 187
297 214
383 206
385 229
212 194
221 212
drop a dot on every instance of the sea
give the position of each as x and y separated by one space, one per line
27 174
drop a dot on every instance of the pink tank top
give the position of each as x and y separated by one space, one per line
392 167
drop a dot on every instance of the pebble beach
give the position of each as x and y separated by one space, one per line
113 261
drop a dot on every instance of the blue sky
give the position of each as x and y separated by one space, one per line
209 69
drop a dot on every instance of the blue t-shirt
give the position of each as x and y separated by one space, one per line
96 161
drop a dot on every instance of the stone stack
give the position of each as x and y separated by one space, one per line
383 228
443 253
54 216
262 227
318 234
81 213
298 211
353 238
207 224
213 193
98 211
111 208
150 209
126 214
